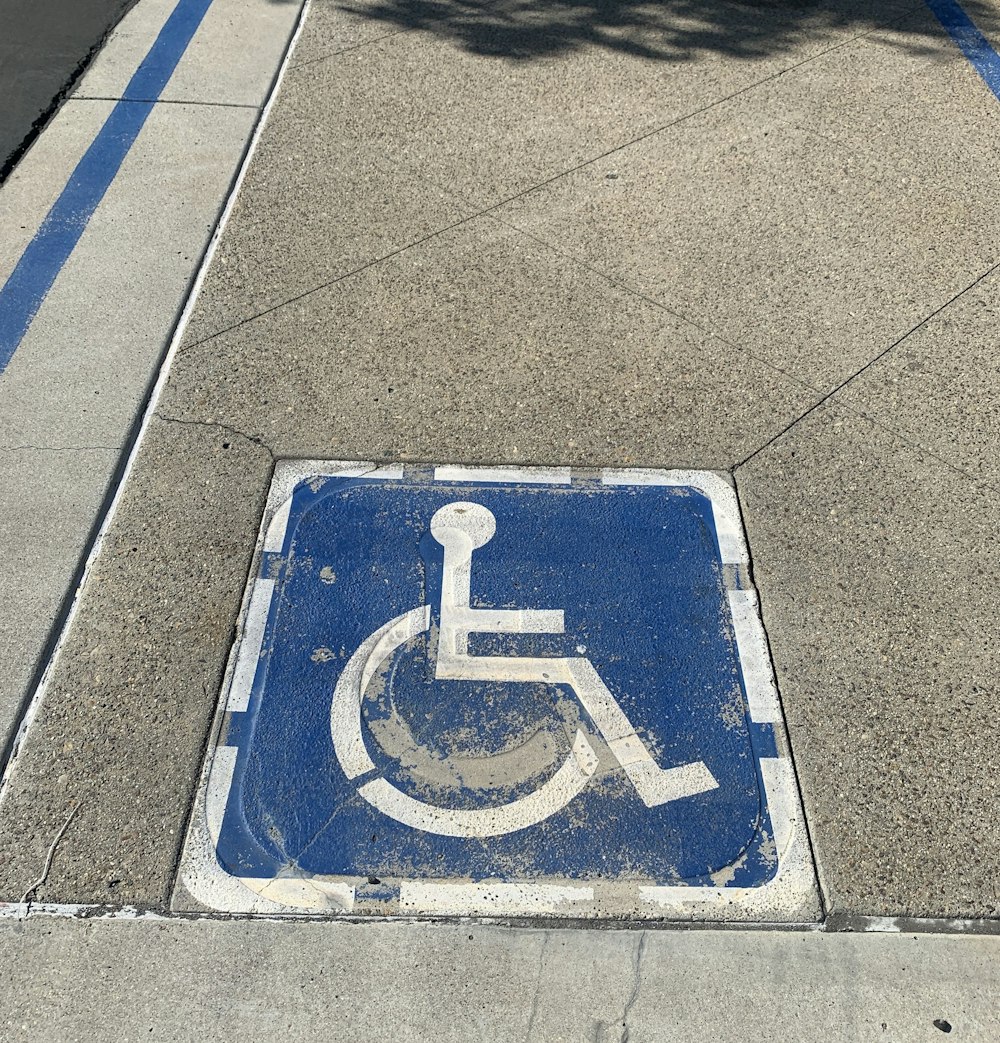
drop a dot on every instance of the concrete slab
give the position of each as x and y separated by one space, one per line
237 980
878 586
812 255
481 345
64 389
549 94
43 528
251 33
334 26
313 207
121 730
939 387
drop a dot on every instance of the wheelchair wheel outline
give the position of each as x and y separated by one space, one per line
349 745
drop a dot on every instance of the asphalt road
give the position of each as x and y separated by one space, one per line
45 45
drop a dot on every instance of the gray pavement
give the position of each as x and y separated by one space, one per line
124 981
593 236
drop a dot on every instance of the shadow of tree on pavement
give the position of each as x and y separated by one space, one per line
668 31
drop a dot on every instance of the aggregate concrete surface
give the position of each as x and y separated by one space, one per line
752 239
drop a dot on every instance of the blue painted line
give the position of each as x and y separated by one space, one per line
969 40
44 257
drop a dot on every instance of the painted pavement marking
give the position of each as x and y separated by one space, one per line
50 248
969 40
500 692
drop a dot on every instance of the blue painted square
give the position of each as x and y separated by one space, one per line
638 574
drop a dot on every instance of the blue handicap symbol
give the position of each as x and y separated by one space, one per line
498 680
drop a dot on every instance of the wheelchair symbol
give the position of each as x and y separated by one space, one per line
461 528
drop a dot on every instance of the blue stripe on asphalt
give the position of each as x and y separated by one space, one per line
48 251
970 41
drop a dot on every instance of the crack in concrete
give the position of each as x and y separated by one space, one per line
236 432
533 1015
832 397
28 896
640 952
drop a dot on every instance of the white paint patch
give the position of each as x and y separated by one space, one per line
552 796
345 710
275 539
883 925
490 899
250 646
755 662
506 475
349 746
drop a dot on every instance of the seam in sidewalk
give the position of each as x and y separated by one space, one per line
294 67
823 891
164 101
326 285
868 365
488 210
632 291
682 119
788 375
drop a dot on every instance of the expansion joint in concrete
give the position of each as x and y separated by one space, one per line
165 101
295 66
831 395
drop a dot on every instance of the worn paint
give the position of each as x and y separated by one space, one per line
502 692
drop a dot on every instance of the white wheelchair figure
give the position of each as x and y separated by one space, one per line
461 528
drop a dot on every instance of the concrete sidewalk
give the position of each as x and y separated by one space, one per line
757 240
120 981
